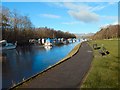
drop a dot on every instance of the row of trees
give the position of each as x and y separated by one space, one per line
111 31
16 27
51 33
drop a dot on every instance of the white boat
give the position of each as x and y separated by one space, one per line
5 45
48 43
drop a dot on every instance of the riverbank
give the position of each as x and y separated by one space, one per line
105 69
72 53
67 74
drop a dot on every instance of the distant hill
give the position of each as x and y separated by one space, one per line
110 31
83 35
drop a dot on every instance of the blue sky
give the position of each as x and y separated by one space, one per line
74 17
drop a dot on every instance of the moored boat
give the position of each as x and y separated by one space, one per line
6 45
48 42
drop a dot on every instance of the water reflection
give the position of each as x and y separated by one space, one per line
48 47
24 62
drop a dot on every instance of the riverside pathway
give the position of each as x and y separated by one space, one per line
68 74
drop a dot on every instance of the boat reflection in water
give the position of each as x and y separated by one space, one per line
47 47
48 44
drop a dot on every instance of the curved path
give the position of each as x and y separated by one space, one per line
68 74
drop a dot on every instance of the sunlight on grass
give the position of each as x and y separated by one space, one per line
104 70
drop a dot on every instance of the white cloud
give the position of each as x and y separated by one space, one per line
114 23
114 18
97 8
55 4
70 23
84 12
106 25
82 6
81 12
84 16
58 4
50 15
112 2
77 7
87 13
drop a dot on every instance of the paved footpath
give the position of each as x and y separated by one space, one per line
68 74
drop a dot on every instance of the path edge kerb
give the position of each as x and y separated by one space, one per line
47 69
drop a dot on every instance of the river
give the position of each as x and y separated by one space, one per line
24 62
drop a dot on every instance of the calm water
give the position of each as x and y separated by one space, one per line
24 62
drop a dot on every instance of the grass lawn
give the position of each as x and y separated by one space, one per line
104 70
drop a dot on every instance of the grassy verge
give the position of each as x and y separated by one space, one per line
105 69
74 50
